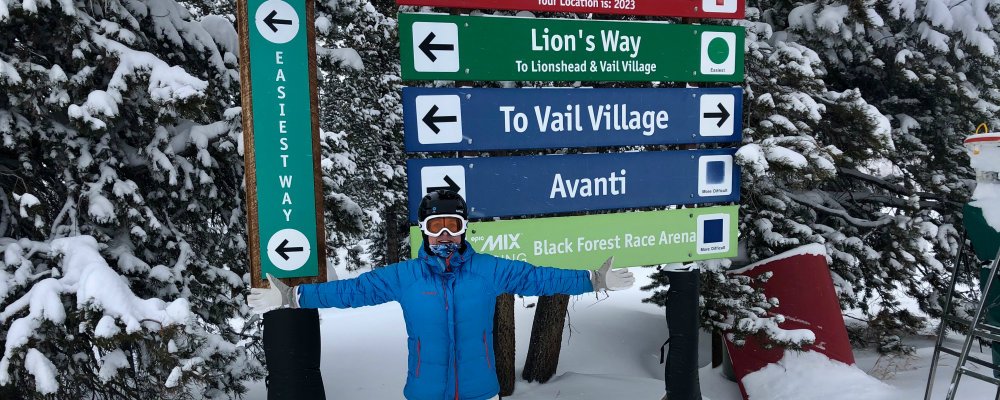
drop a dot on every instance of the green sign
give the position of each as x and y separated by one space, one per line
281 140
446 47
584 242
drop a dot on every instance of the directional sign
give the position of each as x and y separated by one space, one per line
471 119
447 47
659 8
584 242
284 196
505 186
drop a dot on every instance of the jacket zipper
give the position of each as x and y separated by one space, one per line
418 357
487 348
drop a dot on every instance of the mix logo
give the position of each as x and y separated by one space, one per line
440 119
713 233
451 177
719 6
718 53
435 47
715 175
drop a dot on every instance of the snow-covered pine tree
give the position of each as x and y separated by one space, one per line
931 67
855 116
787 112
363 115
121 212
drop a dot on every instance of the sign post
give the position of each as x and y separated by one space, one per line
585 241
532 185
447 47
476 119
284 188
281 141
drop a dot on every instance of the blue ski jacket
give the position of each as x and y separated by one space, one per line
448 306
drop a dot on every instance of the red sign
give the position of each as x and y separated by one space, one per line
730 9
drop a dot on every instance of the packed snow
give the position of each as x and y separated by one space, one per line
611 349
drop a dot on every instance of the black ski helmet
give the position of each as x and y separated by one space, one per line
441 201
438 202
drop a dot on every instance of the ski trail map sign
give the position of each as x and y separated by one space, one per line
633 238
281 125
447 47
473 119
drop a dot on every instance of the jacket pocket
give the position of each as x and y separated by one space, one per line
486 349
417 372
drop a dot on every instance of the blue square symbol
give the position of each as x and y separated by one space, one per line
712 231
715 172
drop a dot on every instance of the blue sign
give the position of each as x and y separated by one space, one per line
469 119
509 186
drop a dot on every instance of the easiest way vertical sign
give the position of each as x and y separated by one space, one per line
285 216
448 47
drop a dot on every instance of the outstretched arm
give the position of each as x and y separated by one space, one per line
525 279
521 278
370 288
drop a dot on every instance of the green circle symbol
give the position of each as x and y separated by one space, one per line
718 50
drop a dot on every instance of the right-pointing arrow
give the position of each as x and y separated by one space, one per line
722 115
451 186
431 119
428 48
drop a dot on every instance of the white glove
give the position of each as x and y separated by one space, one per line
277 296
606 278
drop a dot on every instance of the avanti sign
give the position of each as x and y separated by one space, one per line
532 185
470 119
660 8
284 193
446 47
583 242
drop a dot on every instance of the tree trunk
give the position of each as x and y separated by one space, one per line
503 343
393 236
546 338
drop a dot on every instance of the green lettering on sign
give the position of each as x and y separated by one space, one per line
282 145
446 47
584 242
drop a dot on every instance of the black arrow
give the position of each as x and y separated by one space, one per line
271 22
283 251
723 116
452 186
431 120
427 47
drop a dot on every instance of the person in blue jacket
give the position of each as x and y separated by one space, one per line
448 296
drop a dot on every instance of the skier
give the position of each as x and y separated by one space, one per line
448 294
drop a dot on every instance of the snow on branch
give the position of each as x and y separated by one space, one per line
841 213
96 286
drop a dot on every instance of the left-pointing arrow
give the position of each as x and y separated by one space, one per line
431 119
271 21
428 48
283 249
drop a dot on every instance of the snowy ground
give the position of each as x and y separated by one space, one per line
612 351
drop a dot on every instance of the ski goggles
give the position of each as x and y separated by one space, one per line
436 225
